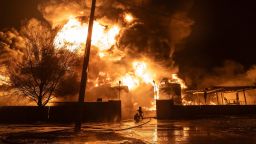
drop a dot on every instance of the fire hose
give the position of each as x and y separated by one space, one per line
122 129
95 129
101 128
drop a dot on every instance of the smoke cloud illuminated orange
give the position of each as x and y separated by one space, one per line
138 71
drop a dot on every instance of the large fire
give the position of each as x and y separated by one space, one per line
73 35
141 74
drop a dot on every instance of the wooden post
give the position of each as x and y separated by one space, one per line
237 98
197 99
205 97
119 90
83 82
245 102
217 98
222 98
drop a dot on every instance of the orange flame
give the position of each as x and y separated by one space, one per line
178 80
74 33
4 80
128 18
141 74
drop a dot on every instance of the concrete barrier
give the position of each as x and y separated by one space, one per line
62 112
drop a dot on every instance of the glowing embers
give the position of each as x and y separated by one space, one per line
128 18
73 35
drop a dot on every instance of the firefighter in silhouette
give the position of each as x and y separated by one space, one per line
139 115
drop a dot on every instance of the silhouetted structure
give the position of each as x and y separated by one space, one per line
63 113
166 109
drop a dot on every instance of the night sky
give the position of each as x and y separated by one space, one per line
223 30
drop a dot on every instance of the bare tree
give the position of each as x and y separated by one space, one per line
38 75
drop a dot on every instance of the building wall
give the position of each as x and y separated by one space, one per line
64 112
166 110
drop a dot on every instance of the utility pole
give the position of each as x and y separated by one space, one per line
119 89
85 70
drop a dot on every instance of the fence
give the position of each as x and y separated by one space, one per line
63 112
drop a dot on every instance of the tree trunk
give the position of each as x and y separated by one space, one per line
39 102
41 115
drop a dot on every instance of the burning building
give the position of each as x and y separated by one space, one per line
132 56
131 52
111 66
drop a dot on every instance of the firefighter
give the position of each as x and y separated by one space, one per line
139 115
140 112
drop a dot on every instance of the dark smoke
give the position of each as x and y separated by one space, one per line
156 34
230 73
12 46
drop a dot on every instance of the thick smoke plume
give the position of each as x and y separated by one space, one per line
231 73
12 46
154 34
180 29
57 12
152 38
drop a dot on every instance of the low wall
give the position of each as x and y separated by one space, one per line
166 110
63 112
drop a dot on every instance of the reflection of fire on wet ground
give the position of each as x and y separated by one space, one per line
217 130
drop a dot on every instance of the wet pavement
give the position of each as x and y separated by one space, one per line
198 131
222 130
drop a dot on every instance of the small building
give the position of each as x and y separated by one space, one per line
221 95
